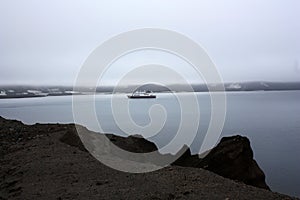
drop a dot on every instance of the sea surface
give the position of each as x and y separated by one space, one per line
271 120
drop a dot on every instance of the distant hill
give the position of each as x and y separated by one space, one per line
43 91
249 86
153 88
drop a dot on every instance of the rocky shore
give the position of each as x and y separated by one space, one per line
48 161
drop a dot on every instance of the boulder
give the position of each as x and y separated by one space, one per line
233 158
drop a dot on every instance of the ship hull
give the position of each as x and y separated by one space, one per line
141 97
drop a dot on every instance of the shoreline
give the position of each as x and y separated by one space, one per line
106 93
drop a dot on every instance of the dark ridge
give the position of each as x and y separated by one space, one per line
48 161
134 143
232 158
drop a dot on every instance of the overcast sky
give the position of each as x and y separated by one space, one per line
46 42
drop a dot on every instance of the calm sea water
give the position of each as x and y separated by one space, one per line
271 120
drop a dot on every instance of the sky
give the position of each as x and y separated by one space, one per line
46 42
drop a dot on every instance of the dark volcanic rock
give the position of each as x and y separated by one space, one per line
50 162
233 158
187 159
135 143
71 138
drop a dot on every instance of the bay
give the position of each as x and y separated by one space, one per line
271 120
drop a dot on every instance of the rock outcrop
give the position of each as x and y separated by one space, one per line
232 158
49 161
135 143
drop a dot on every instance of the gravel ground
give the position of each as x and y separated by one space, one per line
35 164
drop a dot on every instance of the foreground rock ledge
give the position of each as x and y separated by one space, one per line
36 164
